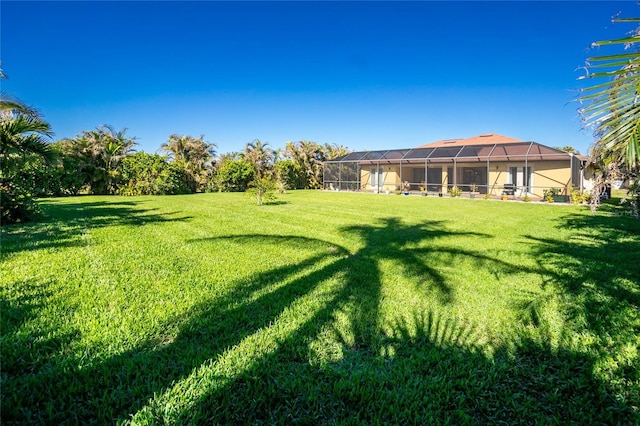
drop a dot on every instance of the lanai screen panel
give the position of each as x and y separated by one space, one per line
331 172
372 157
444 154
349 176
511 152
394 156
471 153
352 156
541 152
417 155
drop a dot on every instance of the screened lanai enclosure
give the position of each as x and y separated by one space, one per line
517 169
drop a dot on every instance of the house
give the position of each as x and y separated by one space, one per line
489 164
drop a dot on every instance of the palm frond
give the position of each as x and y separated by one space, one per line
612 108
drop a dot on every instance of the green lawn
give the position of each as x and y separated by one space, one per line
320 308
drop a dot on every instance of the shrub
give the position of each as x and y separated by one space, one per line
579 197
232 176
16 203
455 191
551 192
147 174
289 174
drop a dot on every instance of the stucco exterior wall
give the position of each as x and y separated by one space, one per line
545 175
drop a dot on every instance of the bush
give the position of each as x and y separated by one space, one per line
579 197
151 174
16 203
232 176
289 174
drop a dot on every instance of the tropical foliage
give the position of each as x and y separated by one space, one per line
612 111
97 154
260 157
289 174
233 174
262 189
309 156
567 148
194 155
24 135
152 174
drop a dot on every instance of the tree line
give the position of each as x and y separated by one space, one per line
104 161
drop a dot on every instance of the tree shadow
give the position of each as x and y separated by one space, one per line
65 223
428 365
598 272
431 369
32 348
599 268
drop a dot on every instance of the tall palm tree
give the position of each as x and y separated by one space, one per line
612 109
194 154
260 156
110 145
189 150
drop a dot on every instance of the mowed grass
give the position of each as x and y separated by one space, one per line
321 308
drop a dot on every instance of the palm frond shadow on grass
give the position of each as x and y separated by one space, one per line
65 223
121 384
105 390
28 350
597 274
598 270
435 370
432 369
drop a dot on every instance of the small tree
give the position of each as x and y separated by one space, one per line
262 189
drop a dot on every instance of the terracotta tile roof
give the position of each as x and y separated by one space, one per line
490 138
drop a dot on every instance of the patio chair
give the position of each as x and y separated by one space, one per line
508 189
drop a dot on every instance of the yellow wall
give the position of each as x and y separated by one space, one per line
546 175
391 178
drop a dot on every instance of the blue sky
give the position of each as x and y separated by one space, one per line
366 75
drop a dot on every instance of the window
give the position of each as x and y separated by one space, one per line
377 178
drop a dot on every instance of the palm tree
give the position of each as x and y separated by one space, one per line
98 154
8 103
175 147
612 110
309 156
22 134
23 131
194 154
260 156
334 151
